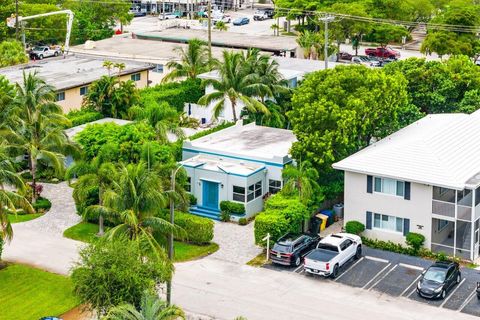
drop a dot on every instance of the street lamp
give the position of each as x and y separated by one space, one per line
170 236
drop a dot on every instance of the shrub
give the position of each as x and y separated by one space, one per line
193 200
199 230
272 222
79 117
232 207
415 240
42 205
354 227
242 221
225 216
211 130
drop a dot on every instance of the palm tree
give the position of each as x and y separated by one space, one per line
38 130
236 84
306 41
162 117
271 78
221 26
302 179
137 197
10 201
93 175
151 308
193 61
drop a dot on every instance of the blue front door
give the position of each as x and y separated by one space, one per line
210 195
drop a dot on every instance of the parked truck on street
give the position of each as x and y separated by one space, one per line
332 253
381 52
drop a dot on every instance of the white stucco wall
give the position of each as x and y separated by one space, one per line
418 209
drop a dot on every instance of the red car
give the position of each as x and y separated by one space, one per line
382 53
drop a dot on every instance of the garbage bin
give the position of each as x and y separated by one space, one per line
329 214
338 208
323 220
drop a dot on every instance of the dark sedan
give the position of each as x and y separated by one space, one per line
438 279
290 249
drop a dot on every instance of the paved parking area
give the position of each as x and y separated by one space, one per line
397 275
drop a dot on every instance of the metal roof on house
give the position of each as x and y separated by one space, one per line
247 142
70 72
440 149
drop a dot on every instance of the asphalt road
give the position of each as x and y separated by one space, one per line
224 290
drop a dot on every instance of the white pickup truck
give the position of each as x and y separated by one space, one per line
41 52
331 253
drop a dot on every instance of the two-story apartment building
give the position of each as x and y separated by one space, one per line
241 163
425 178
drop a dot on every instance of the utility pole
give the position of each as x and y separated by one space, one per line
209 9
163 10
326 19
16 19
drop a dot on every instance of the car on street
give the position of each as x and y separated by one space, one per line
241 21
137 13
345 56
366 61
225 18
40 52
438 279
332 253
477 62
382 52
263 14
290 249
168 16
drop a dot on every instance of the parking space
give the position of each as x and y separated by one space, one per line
397 275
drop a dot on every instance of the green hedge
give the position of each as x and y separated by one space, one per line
199 230
176 94
232 207
281 215
79 117
354 227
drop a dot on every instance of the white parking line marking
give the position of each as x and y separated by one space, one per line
410 266
406 289
383 277
353 265
467 300
376 259
373 279
299 267
451 293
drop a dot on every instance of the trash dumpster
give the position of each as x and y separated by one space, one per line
330 214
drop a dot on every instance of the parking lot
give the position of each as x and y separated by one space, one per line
396 275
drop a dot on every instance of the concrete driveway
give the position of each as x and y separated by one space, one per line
40 242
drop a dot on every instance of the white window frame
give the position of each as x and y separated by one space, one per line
441 228
136 77
385 228
86 90
188 186
275 187
238 193
253 189
382 187
60 93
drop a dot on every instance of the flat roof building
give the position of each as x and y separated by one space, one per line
72 75
241 163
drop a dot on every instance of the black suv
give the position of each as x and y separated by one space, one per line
290 249
438 279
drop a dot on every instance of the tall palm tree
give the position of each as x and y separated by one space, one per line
137 197
162 117
301 179
271 78
38 130
151 308
10 201
193 61
236 84
93 175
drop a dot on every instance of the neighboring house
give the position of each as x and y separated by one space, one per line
424 178
292 70
241 163
71 76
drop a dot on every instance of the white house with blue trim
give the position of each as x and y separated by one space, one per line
241 163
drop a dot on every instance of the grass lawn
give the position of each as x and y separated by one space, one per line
27 293
86 232
259 260
23 217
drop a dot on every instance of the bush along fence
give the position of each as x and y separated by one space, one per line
282 214
413 240
198 230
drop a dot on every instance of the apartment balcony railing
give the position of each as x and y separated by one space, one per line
464 213
443 208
